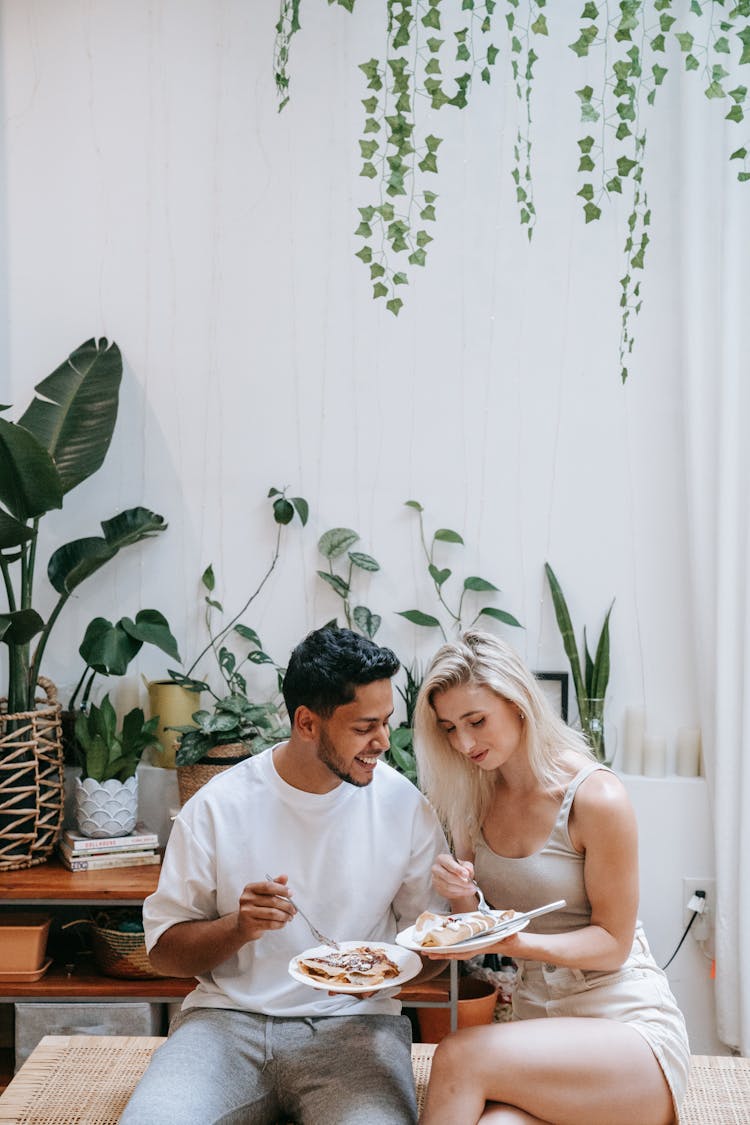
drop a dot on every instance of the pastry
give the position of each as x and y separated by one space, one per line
448 929
364 965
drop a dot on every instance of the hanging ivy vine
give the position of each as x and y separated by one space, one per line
435 52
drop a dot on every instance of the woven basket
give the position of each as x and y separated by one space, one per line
32 796
220 758
121 955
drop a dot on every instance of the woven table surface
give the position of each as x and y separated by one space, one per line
88 1079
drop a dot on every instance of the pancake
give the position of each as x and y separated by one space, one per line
432 930
364 965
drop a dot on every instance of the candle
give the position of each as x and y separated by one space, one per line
688 752
632 754
654 755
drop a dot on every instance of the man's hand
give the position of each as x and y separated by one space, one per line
264 906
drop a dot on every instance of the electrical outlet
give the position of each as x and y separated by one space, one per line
703 924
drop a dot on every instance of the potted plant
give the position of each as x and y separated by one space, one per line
233 730
107 649
106 794
591 681
58 442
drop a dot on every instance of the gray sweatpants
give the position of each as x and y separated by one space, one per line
224 1067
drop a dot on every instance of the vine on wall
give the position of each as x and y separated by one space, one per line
435 52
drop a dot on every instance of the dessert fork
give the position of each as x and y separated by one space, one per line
483 908
321 938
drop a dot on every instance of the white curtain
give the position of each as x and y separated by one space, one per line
715 303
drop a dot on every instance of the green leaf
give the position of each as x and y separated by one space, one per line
208 579
445 535
367 622
394 305
336 542
74 413
13 532
744 37
151 627
413 504
248 634
74 562
337 584
591 212
685 39
439 577
479 584
418 618
364 562
19 626
735 114
566 630
283 511
108 648
30 484
500 615
302 508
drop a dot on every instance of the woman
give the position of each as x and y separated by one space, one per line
535 818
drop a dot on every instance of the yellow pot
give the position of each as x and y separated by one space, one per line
175 706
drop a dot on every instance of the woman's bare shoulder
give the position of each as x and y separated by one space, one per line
602 802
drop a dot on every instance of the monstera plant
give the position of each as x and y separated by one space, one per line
56 444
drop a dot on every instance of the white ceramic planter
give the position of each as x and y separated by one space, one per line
106 808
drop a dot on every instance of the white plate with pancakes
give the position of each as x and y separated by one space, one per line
507 922
402 964
503 929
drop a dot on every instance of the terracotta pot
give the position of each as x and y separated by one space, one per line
476 1005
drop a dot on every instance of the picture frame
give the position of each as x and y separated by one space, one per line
555 687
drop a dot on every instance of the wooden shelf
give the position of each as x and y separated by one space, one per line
84 983
52 883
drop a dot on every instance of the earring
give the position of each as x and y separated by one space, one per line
521 715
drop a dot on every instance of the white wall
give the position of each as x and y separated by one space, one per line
154 195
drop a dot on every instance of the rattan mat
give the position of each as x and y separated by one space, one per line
87 1080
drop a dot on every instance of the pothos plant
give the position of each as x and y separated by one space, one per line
434 52
439 577
335 545
234 717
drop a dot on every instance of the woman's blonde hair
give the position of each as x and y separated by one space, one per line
460 793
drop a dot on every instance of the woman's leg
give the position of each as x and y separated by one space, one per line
569 1071
495 1114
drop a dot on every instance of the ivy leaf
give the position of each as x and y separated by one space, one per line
744 36
735 114
379 290
592 212
394 305
539 26
685 39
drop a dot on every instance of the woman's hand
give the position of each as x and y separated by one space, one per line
453 879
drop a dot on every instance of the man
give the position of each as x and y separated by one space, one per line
355 842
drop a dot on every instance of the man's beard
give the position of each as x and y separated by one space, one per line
328 755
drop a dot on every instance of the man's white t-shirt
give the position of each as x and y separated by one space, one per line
358 860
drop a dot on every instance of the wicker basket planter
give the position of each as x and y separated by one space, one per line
118 953
220 758
32 795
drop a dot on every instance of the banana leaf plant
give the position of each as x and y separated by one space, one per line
591 680
108 648
59 442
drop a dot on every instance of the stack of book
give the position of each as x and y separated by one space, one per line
85 853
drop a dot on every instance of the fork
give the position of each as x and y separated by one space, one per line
483 908
321 938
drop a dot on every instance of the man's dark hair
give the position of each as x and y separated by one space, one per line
327 667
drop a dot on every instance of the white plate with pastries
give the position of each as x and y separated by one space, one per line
322 967
433 933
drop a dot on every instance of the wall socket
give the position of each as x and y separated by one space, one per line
703 924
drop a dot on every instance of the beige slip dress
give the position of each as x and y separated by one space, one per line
638 993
